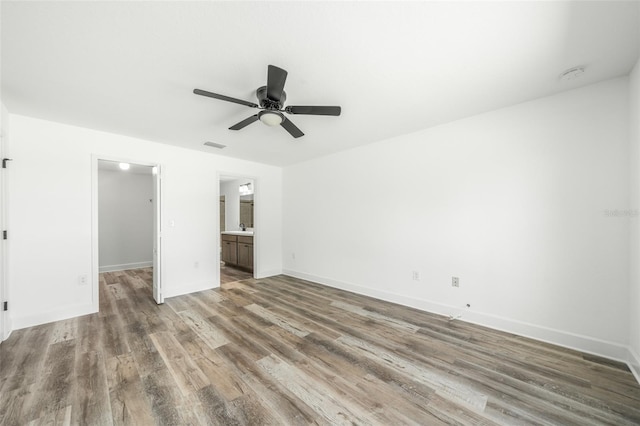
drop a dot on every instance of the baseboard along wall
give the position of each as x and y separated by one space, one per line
125 266
590 345
54 315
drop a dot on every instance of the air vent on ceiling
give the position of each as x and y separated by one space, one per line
215 145
572 73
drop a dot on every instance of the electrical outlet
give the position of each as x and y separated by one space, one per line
293 255
196 264
455 282
416 275
82 280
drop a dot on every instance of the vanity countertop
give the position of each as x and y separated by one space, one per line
245 233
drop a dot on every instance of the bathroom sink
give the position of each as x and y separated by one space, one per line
249 233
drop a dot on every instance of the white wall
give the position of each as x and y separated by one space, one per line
634 318
51 201
513 202
125 212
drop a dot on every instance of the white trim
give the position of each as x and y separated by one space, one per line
191 288
54 315
634 363
266 274
94 280
6 325
126 266
562 338
157 236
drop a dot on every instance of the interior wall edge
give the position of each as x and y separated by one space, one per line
67 312
634 203
611 350
634 363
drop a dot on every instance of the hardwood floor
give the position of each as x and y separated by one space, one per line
230 274
285 351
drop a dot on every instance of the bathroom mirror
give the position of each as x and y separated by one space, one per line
246 210
236 204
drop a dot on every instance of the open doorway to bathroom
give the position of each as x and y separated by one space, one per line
237 228
128 216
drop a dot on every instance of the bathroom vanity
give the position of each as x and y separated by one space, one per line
237 249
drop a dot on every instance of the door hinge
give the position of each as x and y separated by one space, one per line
5 235
4 162
5 306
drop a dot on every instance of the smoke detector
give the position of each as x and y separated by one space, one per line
572 73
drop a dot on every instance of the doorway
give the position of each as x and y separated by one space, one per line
237 228
127 237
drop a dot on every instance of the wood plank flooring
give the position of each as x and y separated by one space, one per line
282 351
230 274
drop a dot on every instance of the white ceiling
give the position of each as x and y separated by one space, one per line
394 67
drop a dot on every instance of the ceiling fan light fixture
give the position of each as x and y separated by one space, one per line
271 98
271 118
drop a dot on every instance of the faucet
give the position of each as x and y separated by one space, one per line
244 228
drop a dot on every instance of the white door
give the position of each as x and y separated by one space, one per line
157 237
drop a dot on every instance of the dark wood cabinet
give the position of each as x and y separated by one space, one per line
229 249
245 252
237 250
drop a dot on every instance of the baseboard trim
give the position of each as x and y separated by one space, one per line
190 288
8 327
125 266
634 363
5 336
266 274
54 315
565 339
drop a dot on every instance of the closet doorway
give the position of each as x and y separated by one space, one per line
127 237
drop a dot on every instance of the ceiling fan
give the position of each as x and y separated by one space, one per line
271 100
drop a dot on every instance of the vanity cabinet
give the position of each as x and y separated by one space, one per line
245 252
229 249
237 250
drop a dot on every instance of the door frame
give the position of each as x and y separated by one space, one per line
157 231
5 324
256 220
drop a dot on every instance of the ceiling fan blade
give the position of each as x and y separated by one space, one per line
244 123
314 110
275 82
291 128
224 98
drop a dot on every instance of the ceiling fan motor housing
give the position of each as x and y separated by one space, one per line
267 103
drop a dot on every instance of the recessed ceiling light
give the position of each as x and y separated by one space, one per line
124 166
572 73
